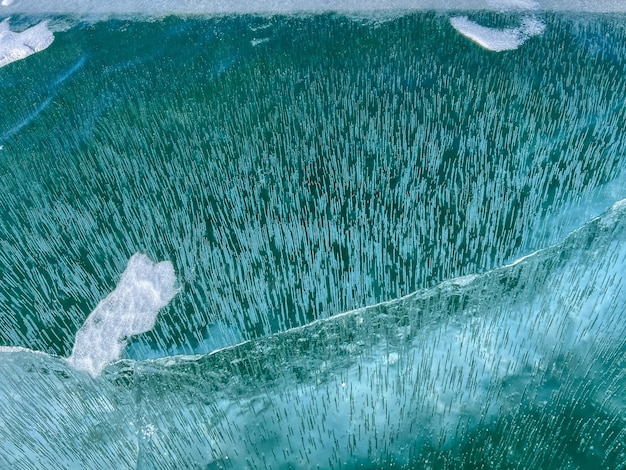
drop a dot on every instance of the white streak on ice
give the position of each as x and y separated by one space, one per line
498 39
16 46
27 120
17 349
67 74
144 288
32 116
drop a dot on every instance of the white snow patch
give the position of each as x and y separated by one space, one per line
16 46
498 40
131 309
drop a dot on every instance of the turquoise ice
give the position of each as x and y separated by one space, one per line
381 240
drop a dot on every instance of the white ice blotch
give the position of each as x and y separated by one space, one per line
144 288
498 39
6 3
256 42
16 46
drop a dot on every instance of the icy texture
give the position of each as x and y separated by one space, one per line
503 5
215 336
51 417
452 375
131 309
292 168
283 193
89 8
498 39
18 45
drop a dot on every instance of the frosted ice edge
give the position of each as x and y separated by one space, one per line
131 309
162 7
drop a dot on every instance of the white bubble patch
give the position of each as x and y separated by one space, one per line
16 46
144 289
495 39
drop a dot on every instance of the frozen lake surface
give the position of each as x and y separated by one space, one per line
312 240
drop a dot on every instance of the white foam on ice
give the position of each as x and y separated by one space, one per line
15 46
131 309
495 39
17 349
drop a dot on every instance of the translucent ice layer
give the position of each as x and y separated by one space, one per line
131 309
452 374
283 193
214 337
292 168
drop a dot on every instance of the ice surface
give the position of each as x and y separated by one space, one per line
341 163
18 45
131 309
498 39
215 336
62 421
503 5
163 7
41 107
393 176
401 381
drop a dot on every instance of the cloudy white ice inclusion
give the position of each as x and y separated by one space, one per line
19 45
131 309
495 39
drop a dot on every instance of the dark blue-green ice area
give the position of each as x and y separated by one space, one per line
314 240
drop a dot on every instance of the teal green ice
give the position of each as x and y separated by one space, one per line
393 247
